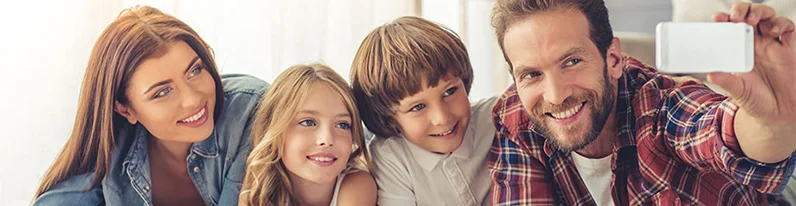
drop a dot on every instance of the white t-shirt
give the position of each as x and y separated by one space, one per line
596 173
409 175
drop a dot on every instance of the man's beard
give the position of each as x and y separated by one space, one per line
599 114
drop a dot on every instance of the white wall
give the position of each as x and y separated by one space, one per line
470 19
638 16
43 53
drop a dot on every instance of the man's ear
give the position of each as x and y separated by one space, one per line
615 59
125 112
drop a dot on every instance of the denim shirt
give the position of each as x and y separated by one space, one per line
216 165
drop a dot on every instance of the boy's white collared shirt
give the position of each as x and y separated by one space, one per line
409 175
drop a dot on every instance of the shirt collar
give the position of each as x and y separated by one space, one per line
137 154
511 112
138 150
426 159
466 148
207 148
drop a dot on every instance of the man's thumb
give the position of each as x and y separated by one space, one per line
733 84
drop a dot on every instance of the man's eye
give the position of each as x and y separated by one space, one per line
531 75
573 62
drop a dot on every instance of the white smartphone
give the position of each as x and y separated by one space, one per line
704 47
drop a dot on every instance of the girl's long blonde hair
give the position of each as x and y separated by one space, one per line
266 181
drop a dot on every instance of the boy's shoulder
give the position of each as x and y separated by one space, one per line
483 106
390 153
387 145
481 127
481 112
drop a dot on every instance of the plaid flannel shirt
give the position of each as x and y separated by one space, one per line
676 145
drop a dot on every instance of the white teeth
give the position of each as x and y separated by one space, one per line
194 117
323 159
443 134
568 113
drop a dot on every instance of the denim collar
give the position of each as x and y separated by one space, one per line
134 163
207 148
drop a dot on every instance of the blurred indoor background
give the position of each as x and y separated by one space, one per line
45 44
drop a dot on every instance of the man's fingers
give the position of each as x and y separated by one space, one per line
739 11
787 38
776 27
782 25
721 17
758 13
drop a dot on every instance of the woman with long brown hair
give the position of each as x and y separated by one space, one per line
156 124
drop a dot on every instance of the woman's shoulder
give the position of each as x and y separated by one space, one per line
242 83
241 95
74 190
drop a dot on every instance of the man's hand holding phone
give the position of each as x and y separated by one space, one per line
766 120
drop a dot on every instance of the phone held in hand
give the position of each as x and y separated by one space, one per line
704 47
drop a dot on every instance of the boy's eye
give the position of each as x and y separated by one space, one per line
450 91
417 107
163 92
307 123
344 126
573 62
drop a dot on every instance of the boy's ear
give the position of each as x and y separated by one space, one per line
125 111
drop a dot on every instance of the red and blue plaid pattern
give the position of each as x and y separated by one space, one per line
676 146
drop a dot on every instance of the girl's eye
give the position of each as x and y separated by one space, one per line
307 123
451 91
344 126
417 107
163 92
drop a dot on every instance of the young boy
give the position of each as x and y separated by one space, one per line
411 78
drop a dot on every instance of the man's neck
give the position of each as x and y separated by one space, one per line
604 144
310 193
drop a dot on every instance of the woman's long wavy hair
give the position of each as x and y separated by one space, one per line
267 181
135 35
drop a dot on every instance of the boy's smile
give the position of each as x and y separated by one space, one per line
435 118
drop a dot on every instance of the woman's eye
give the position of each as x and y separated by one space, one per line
573 62
163 92
417 107
450 91
307 123
196 71
344 126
